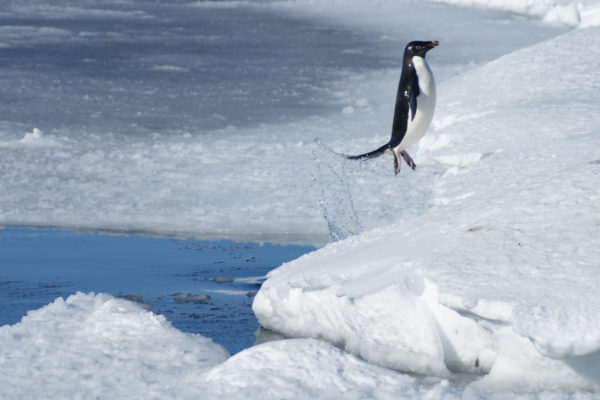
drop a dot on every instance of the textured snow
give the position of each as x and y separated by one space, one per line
96 346
177 131
498 277
566 12
474 277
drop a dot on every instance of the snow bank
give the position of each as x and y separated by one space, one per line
563 12
590 16
96 346
570 13
567 12
498 276
308 369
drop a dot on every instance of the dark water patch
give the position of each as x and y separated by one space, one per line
182 68
199 286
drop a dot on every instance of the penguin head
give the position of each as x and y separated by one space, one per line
419 48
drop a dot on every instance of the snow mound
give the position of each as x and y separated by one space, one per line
497 278
303 369
563 12
97 346
590 16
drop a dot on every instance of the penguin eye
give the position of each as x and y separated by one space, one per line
418 48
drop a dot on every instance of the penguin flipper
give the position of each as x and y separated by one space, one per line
371 154
406 106
413 93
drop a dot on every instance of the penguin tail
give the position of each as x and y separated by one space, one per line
371 154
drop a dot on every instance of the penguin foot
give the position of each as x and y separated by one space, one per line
397 162
408 160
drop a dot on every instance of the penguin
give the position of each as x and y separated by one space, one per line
415 104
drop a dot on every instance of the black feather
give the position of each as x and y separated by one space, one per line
371 154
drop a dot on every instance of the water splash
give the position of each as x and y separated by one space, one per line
336 201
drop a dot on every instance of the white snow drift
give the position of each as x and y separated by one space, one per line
96 346
498 277
482 272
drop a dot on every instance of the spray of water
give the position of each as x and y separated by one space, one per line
331 179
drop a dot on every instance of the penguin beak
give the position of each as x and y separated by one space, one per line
432 44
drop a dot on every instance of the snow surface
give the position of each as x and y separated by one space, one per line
567 12
96 346
481 272
498 276
205 127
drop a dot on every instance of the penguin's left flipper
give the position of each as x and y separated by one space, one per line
408 160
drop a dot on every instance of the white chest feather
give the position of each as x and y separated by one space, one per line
418 125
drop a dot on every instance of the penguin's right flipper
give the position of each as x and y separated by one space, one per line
371 154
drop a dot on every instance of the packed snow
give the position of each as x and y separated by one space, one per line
498 276
473 277
96 346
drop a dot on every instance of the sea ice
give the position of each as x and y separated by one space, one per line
205 128
482 267
498 276
96 346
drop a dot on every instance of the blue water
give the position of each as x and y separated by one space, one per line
37 266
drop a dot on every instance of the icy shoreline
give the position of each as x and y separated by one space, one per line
201 287
499 274
486 264
126 145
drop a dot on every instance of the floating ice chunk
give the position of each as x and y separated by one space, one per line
169 68
233 292
38 138
182 298
35 135
222 279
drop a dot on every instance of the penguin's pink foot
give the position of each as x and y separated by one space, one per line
408 160
397 162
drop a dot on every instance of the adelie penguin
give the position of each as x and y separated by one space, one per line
415 103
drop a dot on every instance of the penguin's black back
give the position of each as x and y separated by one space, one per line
406 100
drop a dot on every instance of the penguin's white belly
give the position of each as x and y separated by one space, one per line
417 127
